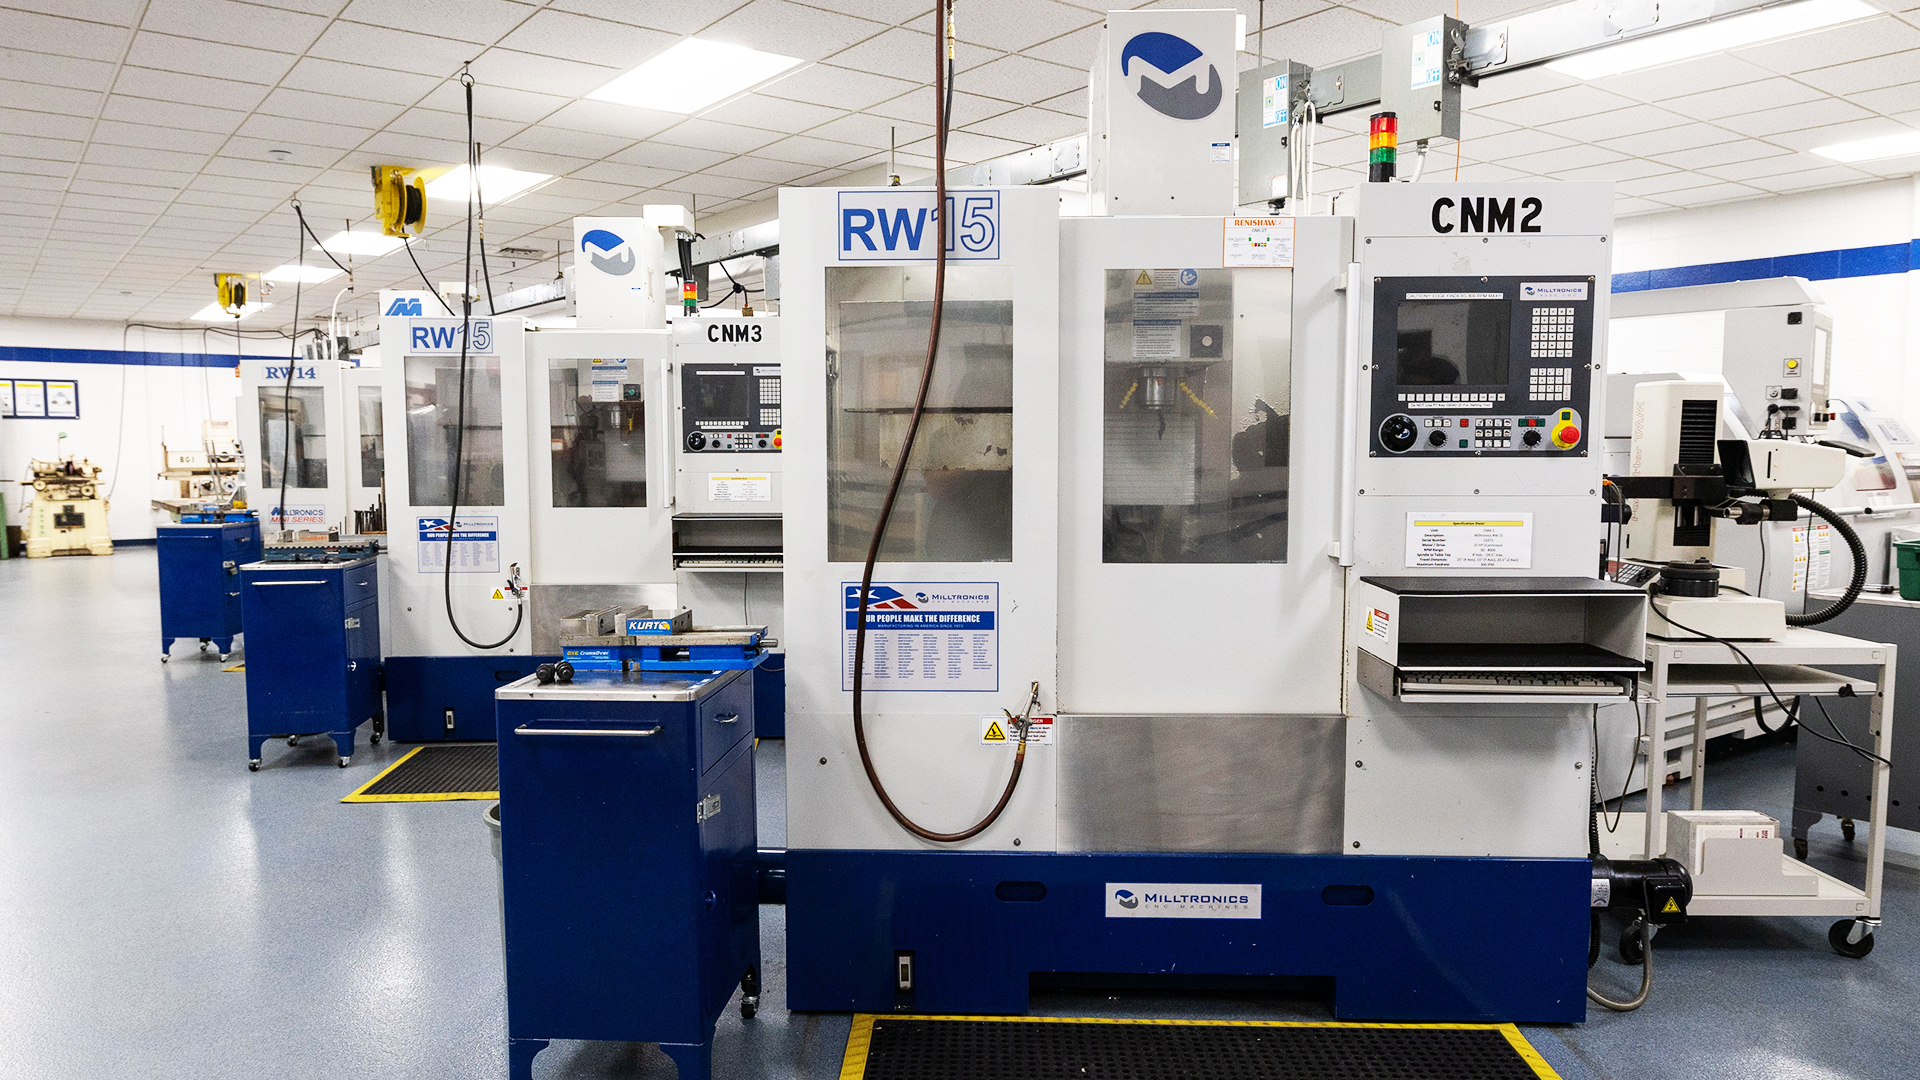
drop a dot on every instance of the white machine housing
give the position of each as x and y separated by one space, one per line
1162 113
726 445
619 269
313 447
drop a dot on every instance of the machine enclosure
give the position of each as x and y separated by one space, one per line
313 653
628 860
199 580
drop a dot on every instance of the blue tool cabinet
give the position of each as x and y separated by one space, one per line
199 582
313 652
628 862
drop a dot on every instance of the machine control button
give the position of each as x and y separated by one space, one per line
1438 438
696 440
1397 433
1531 438
1565 435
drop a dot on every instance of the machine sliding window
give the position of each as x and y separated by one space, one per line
373 442
298 415
956 500
433 409
598 425
1197 418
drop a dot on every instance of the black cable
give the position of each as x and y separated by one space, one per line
460 415
323 247
293 361
408 244
473 173
1854 548
1792 714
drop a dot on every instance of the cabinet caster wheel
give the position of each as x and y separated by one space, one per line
203 646
374 739
164 658
1800 848
345 761
1846 829
254 765
1633 948
293 740
1840 933
223 658
748 1007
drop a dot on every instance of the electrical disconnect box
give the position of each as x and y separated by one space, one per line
1418 77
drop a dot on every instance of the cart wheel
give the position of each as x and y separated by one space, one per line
293 740
345 761
1800 848
203 644
164 658
1633 949
254 765
1846 829
1838 935
223 658
748 1006
374 739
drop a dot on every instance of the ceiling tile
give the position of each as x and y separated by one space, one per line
1776 93
136 157
665 154
724 187
1020 80
1824 48
839 87
873 132
1872 74
1615 171
595 41
1666 140
776 114
48 99
917 106
713 135
805 150
493 100
778 26
581 144
1509 144
1711 72
380 47
765 170
259 169
329 108
1697 157
1628 120
907 54
282 129
1868 128
482 21
359 81
29 146
46 70
1078 49
1563 104
1552 162
1031 127
193 57
1891 100
1013 25
1811 115
224 20
1073 103
966 147
1331 35
1664 184
37 32
44 124
435 124
1710 194
539 74
679 17
393 147
606 118
172 114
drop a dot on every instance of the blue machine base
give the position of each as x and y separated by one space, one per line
1401 938
420 690
770 698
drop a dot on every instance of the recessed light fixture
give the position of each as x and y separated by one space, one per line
1885 146
280 155
695 74
310 274
498 184
348 242
1711 37
215 313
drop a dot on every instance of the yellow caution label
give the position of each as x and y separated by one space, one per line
994 733
499 594
1672 907
1145 278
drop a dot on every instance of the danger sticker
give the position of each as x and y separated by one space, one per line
997 730
1379 624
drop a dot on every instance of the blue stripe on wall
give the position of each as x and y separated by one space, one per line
1812 265
115 356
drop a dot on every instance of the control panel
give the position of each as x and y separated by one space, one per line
730 408
1482 365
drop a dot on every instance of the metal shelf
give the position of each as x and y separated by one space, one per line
1835 898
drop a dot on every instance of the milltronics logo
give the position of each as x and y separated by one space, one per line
1168 55
608 253
1125 899
405 305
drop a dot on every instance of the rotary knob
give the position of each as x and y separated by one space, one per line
1397 433
696 440
1437 439
1531 438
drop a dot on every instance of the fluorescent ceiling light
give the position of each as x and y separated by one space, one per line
1711 37
1885 146
498 184
215 313
310 274
693 75
348 242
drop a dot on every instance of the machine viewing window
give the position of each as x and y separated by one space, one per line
373 448
1454 342
433 404
1198 414
956 500
599 433
293 435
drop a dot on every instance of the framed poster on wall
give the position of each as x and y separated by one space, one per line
30 399
6 398
63 399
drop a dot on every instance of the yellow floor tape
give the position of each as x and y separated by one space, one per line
860 1039
360 796
241 666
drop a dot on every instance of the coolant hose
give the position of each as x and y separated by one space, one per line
1854 547
1646 977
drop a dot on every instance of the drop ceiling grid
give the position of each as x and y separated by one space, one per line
160 133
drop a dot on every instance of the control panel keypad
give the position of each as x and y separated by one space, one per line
769 391
1550 384
1552 332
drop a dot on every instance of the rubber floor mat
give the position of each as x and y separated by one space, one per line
438 772
1059 1048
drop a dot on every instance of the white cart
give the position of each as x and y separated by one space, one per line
1795 664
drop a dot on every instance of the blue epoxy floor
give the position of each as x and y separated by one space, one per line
165 913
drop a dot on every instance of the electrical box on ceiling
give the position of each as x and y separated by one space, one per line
399 200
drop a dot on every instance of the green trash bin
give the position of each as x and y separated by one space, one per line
1906 555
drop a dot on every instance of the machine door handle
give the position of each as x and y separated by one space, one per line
726 718
635 733
264 584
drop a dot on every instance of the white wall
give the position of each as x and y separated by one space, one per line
1876 346
123 410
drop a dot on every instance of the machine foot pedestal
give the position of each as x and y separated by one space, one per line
520 1054
695 1060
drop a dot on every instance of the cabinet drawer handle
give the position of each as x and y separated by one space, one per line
264 584
726 718
637 733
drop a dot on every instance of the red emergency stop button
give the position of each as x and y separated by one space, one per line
1566 435
776 440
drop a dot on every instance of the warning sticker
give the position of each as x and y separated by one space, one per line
607 377
1671 907
996 729
1379 624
